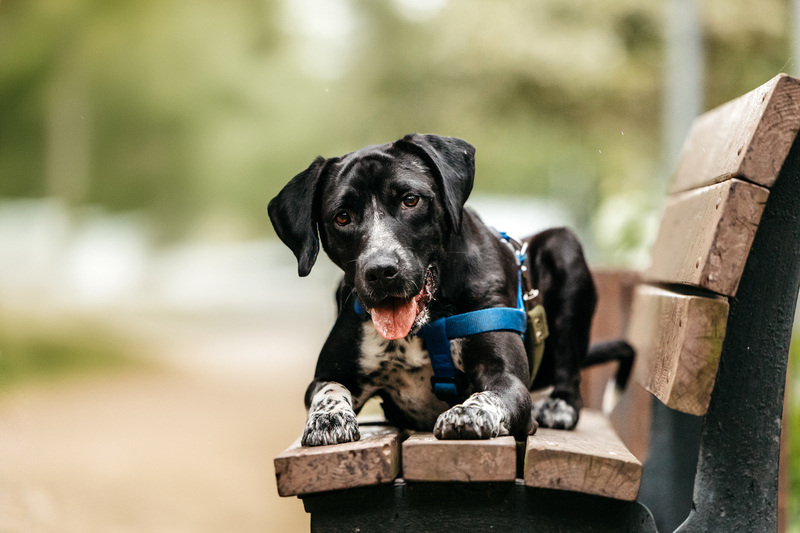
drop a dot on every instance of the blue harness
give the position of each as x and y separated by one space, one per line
438 334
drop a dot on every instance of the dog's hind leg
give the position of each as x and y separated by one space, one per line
559 270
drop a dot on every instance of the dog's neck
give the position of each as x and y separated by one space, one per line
470 277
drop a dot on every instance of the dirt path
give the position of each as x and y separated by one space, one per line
169 452
186 449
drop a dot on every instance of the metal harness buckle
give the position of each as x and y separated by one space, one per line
530 295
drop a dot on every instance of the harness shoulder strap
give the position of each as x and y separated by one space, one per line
438 334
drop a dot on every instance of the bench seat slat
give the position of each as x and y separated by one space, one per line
373 460
591 459
678 341
425 458
748 137
705 236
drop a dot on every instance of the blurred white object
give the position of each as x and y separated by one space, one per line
92 259
32 237
520 216
107 259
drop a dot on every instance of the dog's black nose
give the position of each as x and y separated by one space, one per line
380 271
381 274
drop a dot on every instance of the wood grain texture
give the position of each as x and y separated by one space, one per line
678 341
591 459
594 383
748 137
426 458
373 460
631 418
614 296
705 236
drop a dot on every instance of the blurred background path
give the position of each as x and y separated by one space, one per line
164 452
183 442
138 412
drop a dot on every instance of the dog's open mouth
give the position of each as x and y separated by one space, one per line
394 317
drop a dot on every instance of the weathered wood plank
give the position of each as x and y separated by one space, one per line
631 419
614 296
591 459
705 236
426 458
748 137
595 382
678 341
373 460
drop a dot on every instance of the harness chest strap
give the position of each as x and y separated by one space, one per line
438 334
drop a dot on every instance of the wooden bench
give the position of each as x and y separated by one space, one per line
711 323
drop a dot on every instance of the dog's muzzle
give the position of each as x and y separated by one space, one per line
395 315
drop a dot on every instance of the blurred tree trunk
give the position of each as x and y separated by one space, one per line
683 76
68 140
794 33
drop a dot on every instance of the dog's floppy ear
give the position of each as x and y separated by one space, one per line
452 161
292 215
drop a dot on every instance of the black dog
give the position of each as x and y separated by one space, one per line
392 217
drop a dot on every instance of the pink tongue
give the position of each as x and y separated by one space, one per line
394 320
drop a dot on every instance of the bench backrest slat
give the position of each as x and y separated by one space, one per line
733 154
705 236
683 351
747 137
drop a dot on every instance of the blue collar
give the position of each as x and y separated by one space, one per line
447 386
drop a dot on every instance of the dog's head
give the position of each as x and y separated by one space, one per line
384 215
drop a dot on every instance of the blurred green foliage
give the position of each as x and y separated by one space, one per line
36 350
793 436
196 112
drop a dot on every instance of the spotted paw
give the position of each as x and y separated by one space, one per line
323 428
554 413
480 417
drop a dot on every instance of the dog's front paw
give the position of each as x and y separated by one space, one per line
480 417
554 413
323 428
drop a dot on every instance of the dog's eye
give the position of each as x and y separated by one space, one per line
342 218
410 200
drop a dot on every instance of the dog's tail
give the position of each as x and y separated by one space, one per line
617 350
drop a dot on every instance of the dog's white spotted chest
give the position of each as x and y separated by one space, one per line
402 370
